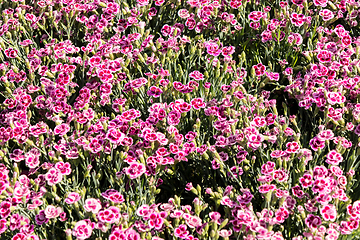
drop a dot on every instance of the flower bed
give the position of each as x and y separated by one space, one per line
198 119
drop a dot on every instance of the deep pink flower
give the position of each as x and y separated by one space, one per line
259 69
154 92
62 129
181 231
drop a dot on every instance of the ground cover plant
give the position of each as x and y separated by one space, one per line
174 119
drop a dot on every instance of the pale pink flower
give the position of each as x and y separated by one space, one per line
92 205
52 211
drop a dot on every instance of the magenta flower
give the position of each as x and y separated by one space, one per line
41 218
62 129
154 92
135 170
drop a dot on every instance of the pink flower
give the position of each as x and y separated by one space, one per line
63 167
143 2
266 188
321 3
193 222
213 48
256 16
267 168
92 205
11 53
62 129
328 212
306 180
354 209
225 233
324 56
326 14
83 229
292 147
156 221
317 144
135 170
198 103
3 226
334 158
53 176
196 75
72 198
297 19
52 212
110 215
215 216
181 231
281 214
154 92
113 196
226 51
335 97
259 69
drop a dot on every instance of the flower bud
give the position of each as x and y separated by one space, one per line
102 4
